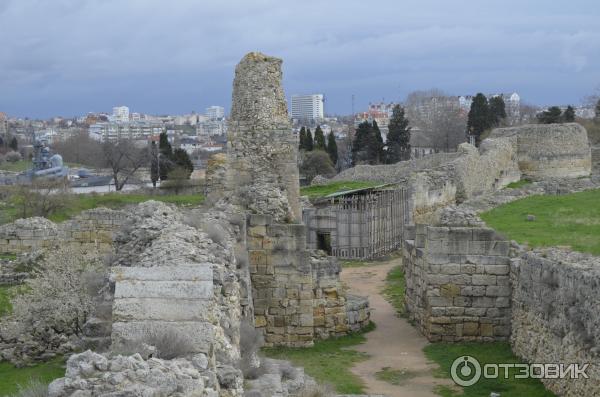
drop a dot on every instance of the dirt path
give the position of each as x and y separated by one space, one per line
394 343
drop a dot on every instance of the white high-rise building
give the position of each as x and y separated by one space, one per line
120 114
215 112
308 107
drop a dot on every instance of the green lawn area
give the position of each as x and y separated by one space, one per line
82 202
395 286
22 165
314 192
328 361
569 220
11 377
486 353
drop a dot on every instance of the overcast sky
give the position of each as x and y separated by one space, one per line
70 57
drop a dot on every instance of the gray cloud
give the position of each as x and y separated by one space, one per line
73 56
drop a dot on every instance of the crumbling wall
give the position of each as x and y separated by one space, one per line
93 227
550 150
457 283
555 315
297 293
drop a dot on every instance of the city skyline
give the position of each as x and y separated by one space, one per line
58 62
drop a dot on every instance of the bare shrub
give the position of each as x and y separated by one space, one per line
316 391
288 371
13 157
41 198
251 340
169 343
33 388
58 295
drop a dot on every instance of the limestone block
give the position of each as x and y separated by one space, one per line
164 289
196 272
201 334
131 309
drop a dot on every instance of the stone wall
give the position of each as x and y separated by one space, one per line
93 227
297 292
550 150
555 316
457 283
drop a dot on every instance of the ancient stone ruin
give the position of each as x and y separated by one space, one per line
209 278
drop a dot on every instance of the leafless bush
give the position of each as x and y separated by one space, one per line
169 343
41 198
33 388
316 391
13 157
288 371
251 340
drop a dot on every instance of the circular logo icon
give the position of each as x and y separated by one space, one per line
465 371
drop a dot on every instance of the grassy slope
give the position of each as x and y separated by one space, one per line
22 165
517 184
5 306
83 202
11 377
328 361
571 220
314 192
498 352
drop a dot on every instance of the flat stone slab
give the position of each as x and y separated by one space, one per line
131 309
164 289
186 272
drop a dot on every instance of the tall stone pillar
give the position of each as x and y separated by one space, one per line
262 151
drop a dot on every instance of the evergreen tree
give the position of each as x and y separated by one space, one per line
302 139
569 114
309 145
377 150
165 161
365 147
551 116
182 160
14 144
319 139
598 111
332 149
497 110
154 174
164 146
398 138
479 117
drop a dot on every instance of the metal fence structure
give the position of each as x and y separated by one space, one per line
358 224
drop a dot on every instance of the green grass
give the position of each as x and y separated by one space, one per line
395 285
17 166
328 361
11 377
82 202
8 256
569 220
518 184
314 192
486 353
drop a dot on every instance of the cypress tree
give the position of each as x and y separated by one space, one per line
479 117
154 176
309 145
14 144
366 146
598 111
332 149
376 148
182 160
398 139
302 139
319 139
569 114
497 110
164 147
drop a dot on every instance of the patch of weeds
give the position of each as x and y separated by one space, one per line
395 287
328 361
395 376
518 184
